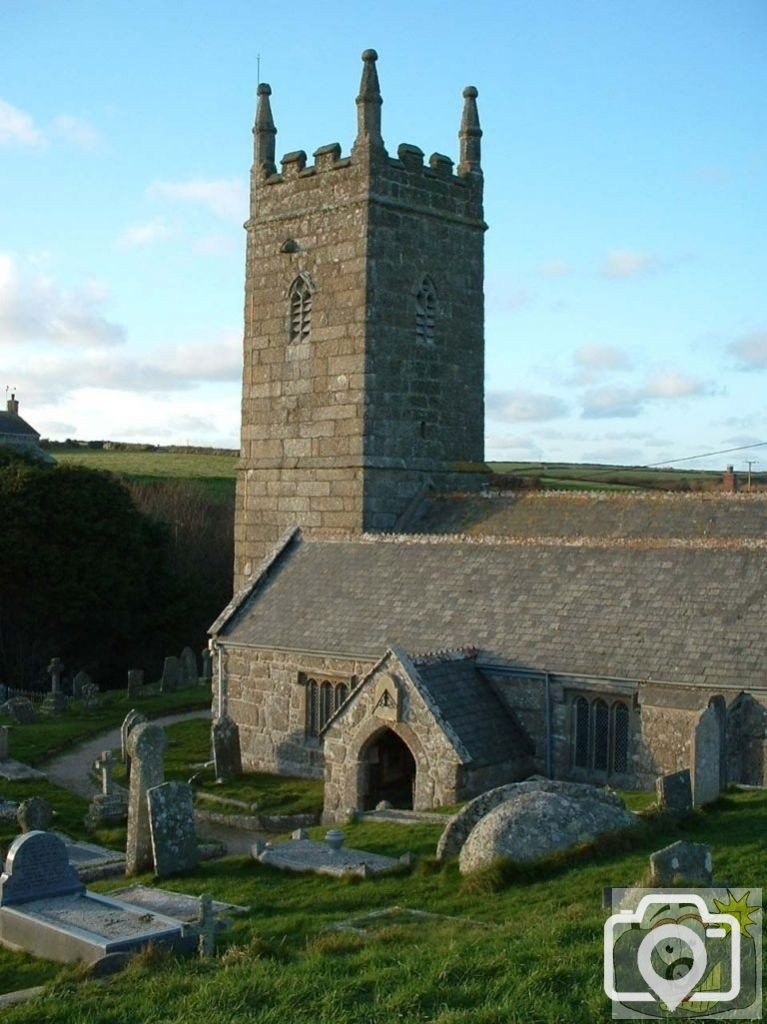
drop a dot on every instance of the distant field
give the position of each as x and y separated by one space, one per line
576 476
214 472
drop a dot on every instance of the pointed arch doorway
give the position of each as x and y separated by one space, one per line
389 770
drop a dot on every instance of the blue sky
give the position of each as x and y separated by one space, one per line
625 161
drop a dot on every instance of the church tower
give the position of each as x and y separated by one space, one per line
364 330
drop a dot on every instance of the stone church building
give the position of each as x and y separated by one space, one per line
398 627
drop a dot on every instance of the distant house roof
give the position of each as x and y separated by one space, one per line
679 611
13 425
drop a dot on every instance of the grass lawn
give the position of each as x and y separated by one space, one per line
538 960
36 742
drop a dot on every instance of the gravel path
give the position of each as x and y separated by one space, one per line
71 770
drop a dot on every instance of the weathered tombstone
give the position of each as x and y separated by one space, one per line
37 867
105 766
146 744
3 693
3 742
706 756
206 925
54 671
81 679
189 672
34 814
135 682
109 807
90 696
171 675
681 864
227 759
674 792
132 719
171 823
55 702
207 666
20 709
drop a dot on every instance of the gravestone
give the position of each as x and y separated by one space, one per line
674 792
189 673
81 679
206 926
34 814
3 742
146 744
46 910
90 696
207 666
3 693
681 864
227 759
706 757
171 823
54 671
171 675
135 682
105 767
55 703
37 866
20 709
132 719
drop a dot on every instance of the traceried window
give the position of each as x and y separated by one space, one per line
425 311
600 735
323 699
300 309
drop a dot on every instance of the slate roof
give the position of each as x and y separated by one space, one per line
673 611
466 700
14 426
596 514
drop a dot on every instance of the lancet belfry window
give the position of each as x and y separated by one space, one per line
425 311
600 735
300 296
323 698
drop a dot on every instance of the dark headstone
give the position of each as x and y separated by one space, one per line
106 811
3 693
189 671
674 792
3 742
227 759
706 757
146 744
81 679
34 814
207 666
132 719
20 709
681 864
135 682
171 821
37 867
171 675
55 703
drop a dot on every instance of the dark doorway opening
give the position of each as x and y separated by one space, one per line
391 772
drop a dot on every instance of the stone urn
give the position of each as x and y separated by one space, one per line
334 837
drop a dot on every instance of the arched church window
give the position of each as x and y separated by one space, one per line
581 733
326 703
300 296
425 311
312 708
620 737
601 734
341 694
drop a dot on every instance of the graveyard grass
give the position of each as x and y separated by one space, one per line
537 959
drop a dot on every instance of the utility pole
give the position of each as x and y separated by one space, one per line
750 463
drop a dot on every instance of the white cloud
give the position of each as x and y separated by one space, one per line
554 268
623 263
17 127
603 402
34 308
225 197
750 350
520 406
599 403
675 385
139 235
76 130
601 357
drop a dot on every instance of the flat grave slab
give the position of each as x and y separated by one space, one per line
46 910
15 771
392 815
321 859
172 904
